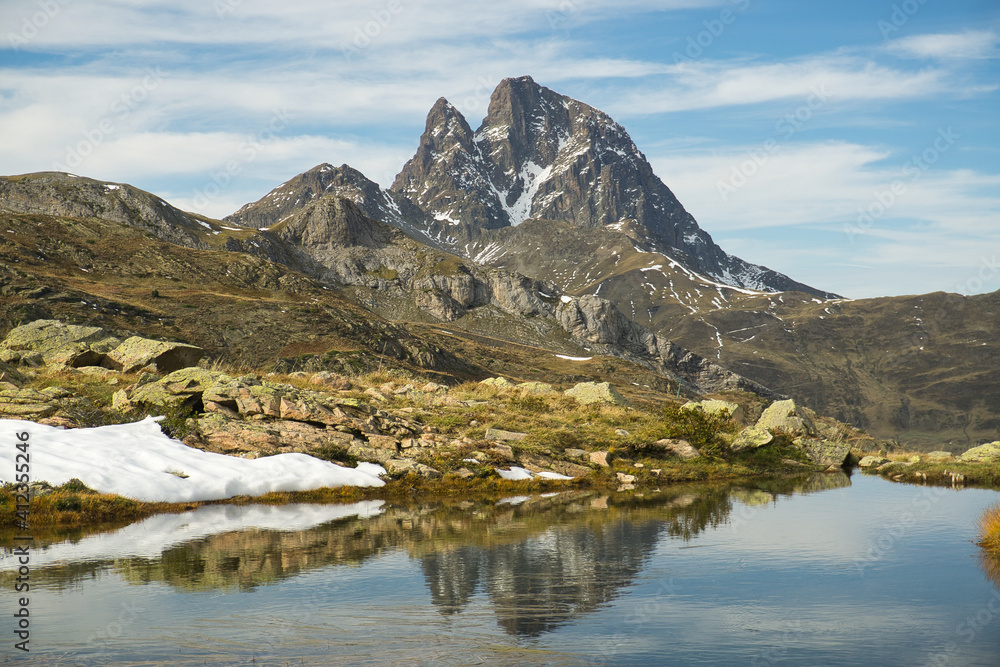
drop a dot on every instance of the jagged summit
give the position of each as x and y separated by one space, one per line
539 154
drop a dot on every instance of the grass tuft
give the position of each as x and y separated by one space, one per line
989 528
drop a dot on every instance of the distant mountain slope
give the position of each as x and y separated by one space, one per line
331 238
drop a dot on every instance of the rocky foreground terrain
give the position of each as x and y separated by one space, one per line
71 375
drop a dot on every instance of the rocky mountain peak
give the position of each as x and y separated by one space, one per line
539 154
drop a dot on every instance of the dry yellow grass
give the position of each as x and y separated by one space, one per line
989 528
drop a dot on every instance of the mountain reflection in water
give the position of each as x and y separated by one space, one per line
541 561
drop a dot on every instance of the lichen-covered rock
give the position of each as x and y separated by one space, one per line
679 448
498 383
714 406
182 387
265 438
32 404
596 392
535 388
824 452
939 456
403 466
138 352
987 453
787 417
10 374
751 437
58 343
872 461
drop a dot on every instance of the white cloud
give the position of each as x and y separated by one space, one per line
704 85
802 210
970 45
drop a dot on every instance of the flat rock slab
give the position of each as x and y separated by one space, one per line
498 434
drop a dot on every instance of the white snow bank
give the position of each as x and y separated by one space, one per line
151 537
517 474
563 356
138 461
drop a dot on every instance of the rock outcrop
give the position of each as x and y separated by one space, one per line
989 452
76 346
596 392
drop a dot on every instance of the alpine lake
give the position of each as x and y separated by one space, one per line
824 569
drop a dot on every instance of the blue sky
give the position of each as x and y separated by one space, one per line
854 146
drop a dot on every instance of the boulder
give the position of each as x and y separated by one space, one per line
599 458
751 437
182 387
872 461
535 388
138 352
596 392
58 343
625 478
404 466
787 417
679 448
939 456
498 383
713 406
498 434
987 453
824 452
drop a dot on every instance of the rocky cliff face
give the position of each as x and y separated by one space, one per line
539 154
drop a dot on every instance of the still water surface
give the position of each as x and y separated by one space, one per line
821 570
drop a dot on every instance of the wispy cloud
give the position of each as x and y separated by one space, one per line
705 85
970 45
